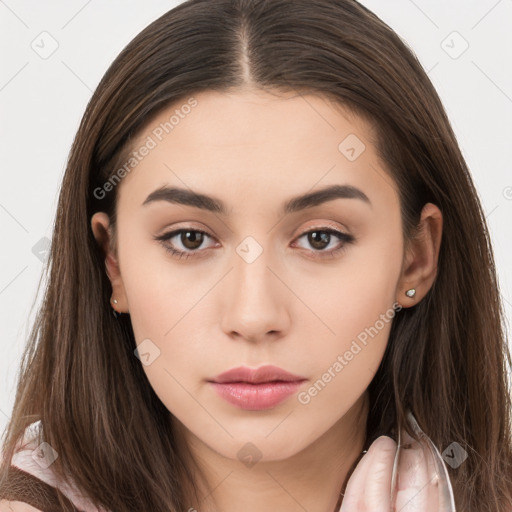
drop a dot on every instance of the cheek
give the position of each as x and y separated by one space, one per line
342 372
167 305
164 312
351 297
357 307
158 290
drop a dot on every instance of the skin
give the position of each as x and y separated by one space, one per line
16 506
290 307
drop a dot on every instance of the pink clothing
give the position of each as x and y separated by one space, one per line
35 458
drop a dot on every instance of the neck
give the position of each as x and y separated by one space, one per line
311 479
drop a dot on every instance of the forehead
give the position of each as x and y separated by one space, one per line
254 142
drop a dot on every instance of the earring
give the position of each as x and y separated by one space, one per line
114 312
411 293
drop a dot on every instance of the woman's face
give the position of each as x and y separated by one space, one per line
269 282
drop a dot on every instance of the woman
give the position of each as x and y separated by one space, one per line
270 269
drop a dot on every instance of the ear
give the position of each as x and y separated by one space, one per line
419 269
102 231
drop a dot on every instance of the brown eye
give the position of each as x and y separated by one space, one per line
192 239
320 239
184 243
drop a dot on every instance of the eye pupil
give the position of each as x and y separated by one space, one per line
195 237
319 239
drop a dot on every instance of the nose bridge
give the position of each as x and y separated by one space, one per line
251 272
254 301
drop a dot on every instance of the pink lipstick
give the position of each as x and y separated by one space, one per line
256 389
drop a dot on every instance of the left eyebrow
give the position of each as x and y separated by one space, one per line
197 200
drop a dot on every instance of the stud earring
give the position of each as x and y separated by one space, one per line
114 312
411 293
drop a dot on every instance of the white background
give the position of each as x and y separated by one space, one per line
42 102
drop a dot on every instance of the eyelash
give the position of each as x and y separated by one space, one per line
346 238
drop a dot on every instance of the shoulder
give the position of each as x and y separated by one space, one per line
35 457
31 482
16 506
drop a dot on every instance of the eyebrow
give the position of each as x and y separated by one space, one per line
212 204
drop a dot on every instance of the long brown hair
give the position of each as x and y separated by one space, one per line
447 358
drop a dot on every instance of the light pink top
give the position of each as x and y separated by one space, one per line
36 459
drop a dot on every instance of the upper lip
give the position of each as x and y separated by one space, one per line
267 373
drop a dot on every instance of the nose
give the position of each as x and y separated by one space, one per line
256 300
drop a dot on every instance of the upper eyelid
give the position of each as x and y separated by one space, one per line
323 227
343 235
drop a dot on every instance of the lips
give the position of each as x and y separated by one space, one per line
256 389
267 373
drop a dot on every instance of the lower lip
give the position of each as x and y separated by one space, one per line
256 397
